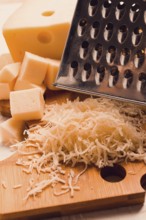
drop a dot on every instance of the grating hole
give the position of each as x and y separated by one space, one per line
93 2
114 76
122 33
113 174
135 7
106 8
139 58
86 72
84 49
114 71
94 29
143 181
92 7
124 56
99 75
82 26
120 10
142 76
111 53
97 52
128 74
87 67
134 12
85 44
141 84
121 5
137 36
73 68
128 78
108 31
107 4
74 64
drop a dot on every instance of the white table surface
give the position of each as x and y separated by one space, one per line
124 213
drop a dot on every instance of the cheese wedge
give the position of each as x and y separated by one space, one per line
27 104
33 69
11 131
9 73
40 27
4 91
23 84
53 68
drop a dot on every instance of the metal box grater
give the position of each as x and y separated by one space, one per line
105 54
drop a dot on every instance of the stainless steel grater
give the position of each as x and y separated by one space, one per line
105 54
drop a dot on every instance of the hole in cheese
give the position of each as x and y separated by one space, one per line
44 37
48 13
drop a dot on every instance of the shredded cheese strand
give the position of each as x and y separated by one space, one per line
95 131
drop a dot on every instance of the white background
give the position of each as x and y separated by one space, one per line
127 213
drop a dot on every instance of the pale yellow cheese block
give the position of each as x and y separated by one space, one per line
53 68
9 73
24 84
4 91
40 27
33 68
5 59
27 104
11 131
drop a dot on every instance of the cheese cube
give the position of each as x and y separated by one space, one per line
53 68
40 27
9 73
4 91
27 104
23 84
5 59
11 131
33 68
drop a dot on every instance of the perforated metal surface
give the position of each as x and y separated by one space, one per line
106 50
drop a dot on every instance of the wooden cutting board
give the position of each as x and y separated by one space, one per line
96 192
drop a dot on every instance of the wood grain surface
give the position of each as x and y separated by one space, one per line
96 193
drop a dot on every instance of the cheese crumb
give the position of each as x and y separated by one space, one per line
17 186
3 183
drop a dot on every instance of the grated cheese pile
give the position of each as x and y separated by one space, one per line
94 131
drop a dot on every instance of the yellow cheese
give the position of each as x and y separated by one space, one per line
9 73
27 104
53 68
11 131
23 84
4 91
40 27
33 68
5 59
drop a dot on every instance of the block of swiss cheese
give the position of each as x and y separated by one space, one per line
53 68
5 59
27 104
40 27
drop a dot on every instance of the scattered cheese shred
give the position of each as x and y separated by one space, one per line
95 131
3 183
17 186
